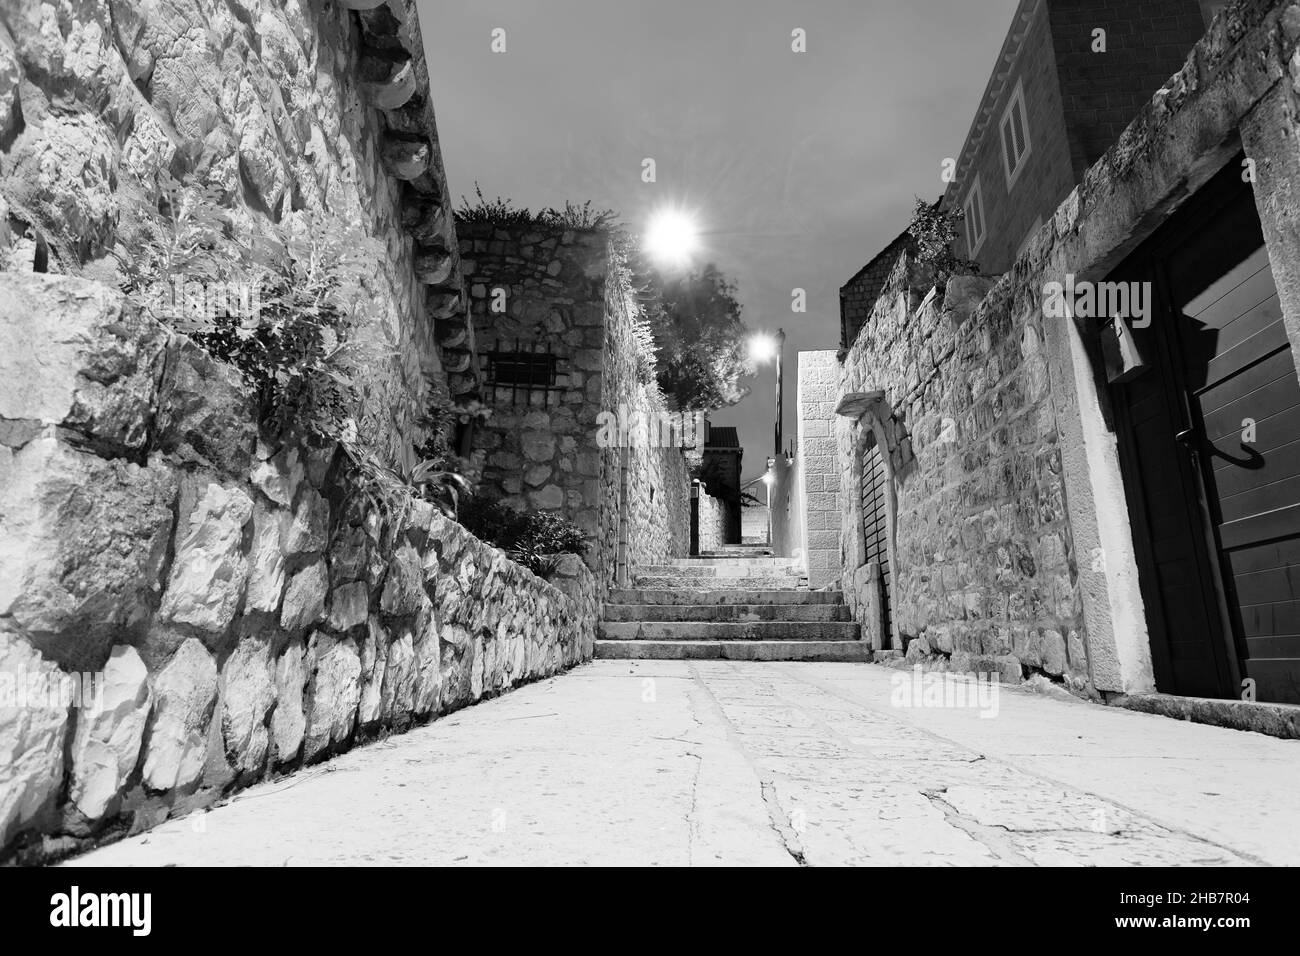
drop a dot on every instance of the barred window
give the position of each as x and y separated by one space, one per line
521 369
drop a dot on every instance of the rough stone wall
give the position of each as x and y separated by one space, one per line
658 512
712 522
650 484
288 108
983 556
239 613
817 491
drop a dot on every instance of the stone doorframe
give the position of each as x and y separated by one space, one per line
862 577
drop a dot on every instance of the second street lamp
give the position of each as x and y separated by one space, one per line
762 348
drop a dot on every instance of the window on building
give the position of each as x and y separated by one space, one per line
974 210
1015 135
521 369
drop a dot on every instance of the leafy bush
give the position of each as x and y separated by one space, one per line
529 537
935 230
310 285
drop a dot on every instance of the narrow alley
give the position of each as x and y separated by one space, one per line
660 762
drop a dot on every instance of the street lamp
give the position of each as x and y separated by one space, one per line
672 237
761 348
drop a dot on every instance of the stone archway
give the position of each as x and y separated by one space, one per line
870 555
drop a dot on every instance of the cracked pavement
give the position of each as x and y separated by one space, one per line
737 763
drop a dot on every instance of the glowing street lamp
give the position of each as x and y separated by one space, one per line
672 238
761 348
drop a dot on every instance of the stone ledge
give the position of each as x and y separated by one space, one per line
1276 720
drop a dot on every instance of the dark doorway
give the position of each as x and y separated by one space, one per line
1209 442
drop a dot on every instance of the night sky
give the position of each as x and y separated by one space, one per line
799 167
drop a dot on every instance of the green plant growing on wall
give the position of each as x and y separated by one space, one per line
308 287
531 538
311 287
935 230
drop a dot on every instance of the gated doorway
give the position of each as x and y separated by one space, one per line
1209 435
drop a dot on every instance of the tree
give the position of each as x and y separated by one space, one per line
700 339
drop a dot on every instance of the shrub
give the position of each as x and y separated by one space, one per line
311 280
503 212
935 230
529 537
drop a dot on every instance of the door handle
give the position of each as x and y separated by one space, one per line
1184 437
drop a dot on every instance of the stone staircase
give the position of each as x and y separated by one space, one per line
738 603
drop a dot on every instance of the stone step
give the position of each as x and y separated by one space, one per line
727 612
737 551
679 596
723 571
734 650
736 563
728 631
663 582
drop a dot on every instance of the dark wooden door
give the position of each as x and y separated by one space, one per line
875 523
1210 442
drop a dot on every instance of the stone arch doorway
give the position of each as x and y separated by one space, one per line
872 504
873 489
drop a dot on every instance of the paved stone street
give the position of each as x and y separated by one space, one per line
716 762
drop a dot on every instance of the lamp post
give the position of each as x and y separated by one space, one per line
780 348
762 348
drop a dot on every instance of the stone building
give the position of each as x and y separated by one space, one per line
1070 76
575 420
193 600
1108 495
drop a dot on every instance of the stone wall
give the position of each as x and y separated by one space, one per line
646 484
712 522
982 553
236 610
818 481
286 109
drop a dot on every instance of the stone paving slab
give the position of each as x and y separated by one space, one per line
717 762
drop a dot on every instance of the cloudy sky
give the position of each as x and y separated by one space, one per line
799 166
